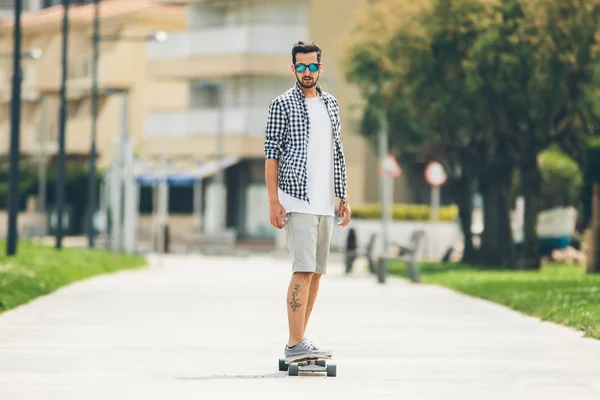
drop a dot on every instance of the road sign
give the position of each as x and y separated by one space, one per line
390 166
435 174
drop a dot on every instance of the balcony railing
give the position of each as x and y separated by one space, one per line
244 39
244 121
80 67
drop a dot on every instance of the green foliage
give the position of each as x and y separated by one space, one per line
404 212
482 86
28 178
76 189
560 293
38 270
591 176
562 180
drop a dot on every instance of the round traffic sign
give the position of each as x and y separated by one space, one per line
390 166
435 174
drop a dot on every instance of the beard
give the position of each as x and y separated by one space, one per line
307 84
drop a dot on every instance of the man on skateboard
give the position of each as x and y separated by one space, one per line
304 171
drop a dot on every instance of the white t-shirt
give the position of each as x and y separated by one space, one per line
319 165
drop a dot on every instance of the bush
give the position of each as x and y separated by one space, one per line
404 212
76 189
562 180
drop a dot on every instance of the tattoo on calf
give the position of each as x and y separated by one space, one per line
294 302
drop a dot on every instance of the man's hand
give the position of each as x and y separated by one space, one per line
277 212
344 214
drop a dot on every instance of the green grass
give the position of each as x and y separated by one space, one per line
564 294
37 270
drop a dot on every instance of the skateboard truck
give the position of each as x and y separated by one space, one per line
314 364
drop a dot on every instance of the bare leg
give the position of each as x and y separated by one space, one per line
297 302
312 296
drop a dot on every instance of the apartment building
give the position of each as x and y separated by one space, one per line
202 93
7 6
242 49
126 29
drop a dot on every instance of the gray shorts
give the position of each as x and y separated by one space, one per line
308 239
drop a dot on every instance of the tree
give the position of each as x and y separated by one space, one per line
532 67
483 86
376 71
430 106
441 95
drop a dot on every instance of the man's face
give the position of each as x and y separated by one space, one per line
307 78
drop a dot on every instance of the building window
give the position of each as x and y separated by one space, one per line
203 95
51 3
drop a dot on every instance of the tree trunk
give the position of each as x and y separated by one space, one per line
465 189
531 181
593 262
497 249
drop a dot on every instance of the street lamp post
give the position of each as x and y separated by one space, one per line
13 202
60 181
13 193
384 198
93 175
159 36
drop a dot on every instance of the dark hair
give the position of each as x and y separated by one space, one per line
303 47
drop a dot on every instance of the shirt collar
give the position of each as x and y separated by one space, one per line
300 94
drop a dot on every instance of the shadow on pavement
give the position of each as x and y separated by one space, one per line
217 377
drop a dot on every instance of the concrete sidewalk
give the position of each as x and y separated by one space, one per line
214 328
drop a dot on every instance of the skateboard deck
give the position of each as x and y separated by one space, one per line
308 364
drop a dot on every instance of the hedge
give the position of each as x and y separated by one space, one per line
404 212
76 189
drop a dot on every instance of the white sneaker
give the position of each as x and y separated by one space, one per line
302 350
328 352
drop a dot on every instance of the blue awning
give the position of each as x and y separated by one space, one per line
184 178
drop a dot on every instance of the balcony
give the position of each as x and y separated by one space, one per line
112 73
78 135
226 51
193 133
242 121
29 83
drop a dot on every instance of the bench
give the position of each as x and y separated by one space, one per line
408 254
352 254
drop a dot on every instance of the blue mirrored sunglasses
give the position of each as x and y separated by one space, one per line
314 67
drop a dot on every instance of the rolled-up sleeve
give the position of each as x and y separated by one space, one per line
276 125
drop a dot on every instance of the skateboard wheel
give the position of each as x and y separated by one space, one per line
293 370
282 365
331 370
321 363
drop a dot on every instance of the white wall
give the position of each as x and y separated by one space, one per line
237 121
280 12
257 211
242 92
438 237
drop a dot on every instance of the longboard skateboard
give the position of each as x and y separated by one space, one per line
309 364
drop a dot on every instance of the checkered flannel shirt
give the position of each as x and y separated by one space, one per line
286 140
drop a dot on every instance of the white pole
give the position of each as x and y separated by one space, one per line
197 204
435 204
114 193
122 174
385 202
435 216
163 194
130 209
